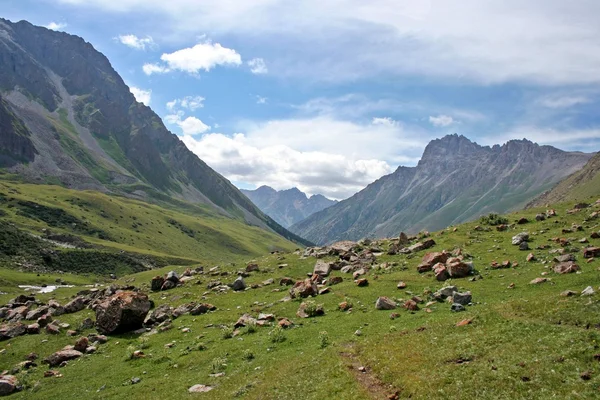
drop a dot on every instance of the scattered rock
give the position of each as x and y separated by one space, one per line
457 307
75 305
322 268
157 283
385 303
12 330
464 322
286 282
122 312
538 281
462 298
411 305
200 389
531 257
524 246
335 280
304 289
61 356
238 284
252 267
401 285
362 282
520 238
310 309
569 293
344 306
566 267
591 252
588 291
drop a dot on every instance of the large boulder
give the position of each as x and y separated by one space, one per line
173 277
591 252
122 312
434 258
462 298
59 357
304 288
239 284
75 305
157 283
8 384
12 330
458 269
322 268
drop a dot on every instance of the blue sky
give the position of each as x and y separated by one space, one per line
329 96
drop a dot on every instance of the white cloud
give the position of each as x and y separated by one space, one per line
387 121
189 126
203 56
258 66
441 120
150 69
547 42
136 42
563 101
141 95
281 154
56 26
191 103
261 100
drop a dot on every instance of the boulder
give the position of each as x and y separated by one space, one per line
462 298
8 384
81 344
531 257
252 267
403 239
520 238
434 258
244 320
158 315
540 217
411 305
12 330
362 282
286 281
457 307
591 252
441 272
17 313
524 246
59 357
335 280
183 309
75 305
566 267
157 283
588 291
33 329
173 277
458 269
564 258
202 308
446 292
385 303
538 281
38 312
122 312
304 289
238 284
322 268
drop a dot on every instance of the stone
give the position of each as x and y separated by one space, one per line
403 239
52 372
8 384
538 281
464 322
202 308
520 238
12 330
122 312
362 282
446 292
344 306
71 332
434 258
588 291
441 272
358 273
564 258
322 268
522 221
173 277
244 320
286 282
38 312
591 252
303 313
157 283
566 267
530 257
268 282
401 285
458 269
304 289
540 217
239 284
462 298
87 323
385 303
33 329
52 329
183 309
569 293
595 235
81 344
168 285
17 313
285 323
457 307
411 305
75 305
252 267
158 315
44 320
200 389
335 280
524 246
61 356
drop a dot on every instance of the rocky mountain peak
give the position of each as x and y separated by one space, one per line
450 145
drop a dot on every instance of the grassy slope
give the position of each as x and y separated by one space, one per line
134 226
526 342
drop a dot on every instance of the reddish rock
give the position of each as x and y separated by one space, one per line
12 330
531 257
52 329
502 228
82 344
441 273
304 289
285 323
362 282
344 306
44 320
591 252
61 356
286 282
566 267
422 268
411 305
458 269
334 280
522 221
33 329
434 258
122 312
252 267
75 305
464 322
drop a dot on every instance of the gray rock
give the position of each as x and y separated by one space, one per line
462 298
75 305
524 246
238 284
8 384
520 238
173 277
446 292
385 303
457 307
322 268
588 291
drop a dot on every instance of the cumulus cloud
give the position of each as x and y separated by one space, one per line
441 120
203 56
141 95
136 42
563 101
191 103
261 100
189 126
258 66
387 121
281 154
56 26
492 41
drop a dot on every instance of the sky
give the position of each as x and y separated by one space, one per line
328 96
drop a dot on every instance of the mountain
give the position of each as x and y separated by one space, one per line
456 180
577 187
287 207
68 118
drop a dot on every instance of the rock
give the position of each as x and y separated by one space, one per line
168 285
238 284
502 228
401 285
304 289
75 305
202 308
522 221
81 344
434 258
268 282
566 267
564 258
411 305
588 291
8 384
87 323
33 329
569 293
358 273
385 303
286 282
285 323
122 312
540 217
157 283
441 272
61 356
524 246
183 309
520 238
344 306
52 372
595 235
17 313
591 252
422 268
173 277
538 281
200 389
322 268
335 280
462 298
464 322
421 246
458 269
244 320
304 312
362 282
21 299
12 330
446 292
52 329
457 307
38 312
252 267
324 290
158 315
531 257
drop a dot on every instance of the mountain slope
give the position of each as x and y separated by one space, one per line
579 186
455 181
287 207
84 129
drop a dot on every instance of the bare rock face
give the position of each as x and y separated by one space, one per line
122 312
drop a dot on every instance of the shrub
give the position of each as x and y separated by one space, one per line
227 332
323 339
277 335
493 220
248 355
218 364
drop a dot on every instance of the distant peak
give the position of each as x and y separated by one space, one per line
449 145
265 188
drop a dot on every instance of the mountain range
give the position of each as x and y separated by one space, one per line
67 118
287 207
456 180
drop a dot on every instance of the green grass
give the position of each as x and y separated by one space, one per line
524 343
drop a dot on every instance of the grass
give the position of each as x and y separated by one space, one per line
525 342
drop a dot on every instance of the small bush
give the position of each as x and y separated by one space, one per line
493 220
248 355
227 332
277 334
312 309
218 364
323 339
